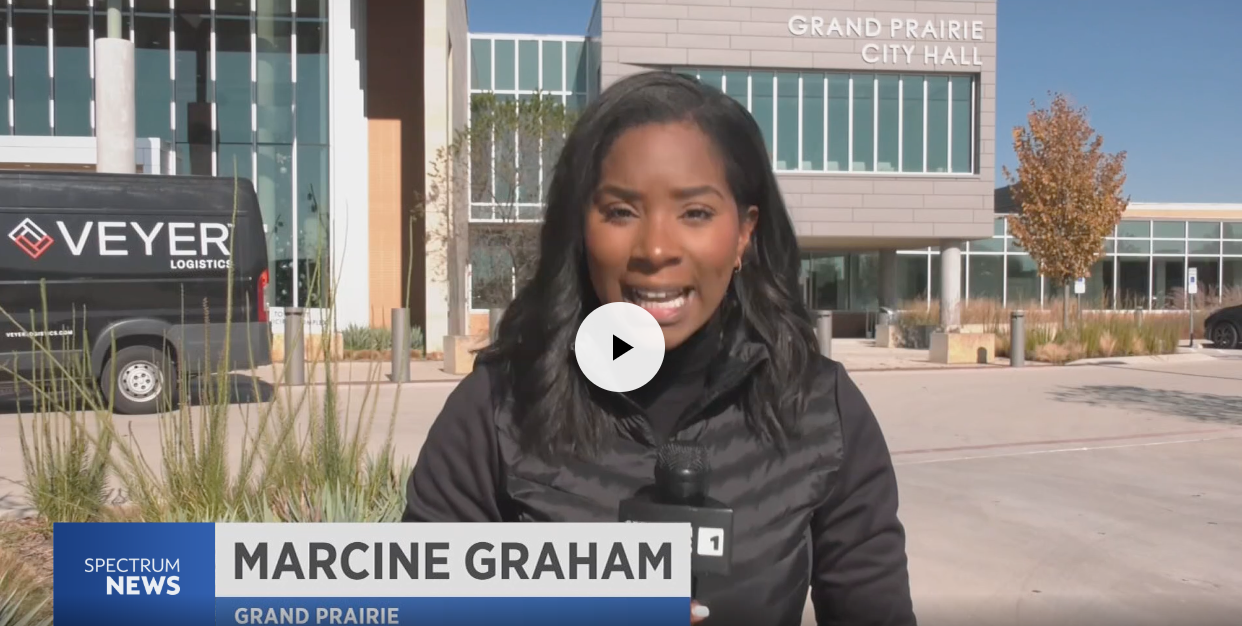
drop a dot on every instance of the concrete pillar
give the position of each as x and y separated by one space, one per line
115 149
950 284
888 279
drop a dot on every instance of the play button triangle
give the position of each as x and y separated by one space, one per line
619 347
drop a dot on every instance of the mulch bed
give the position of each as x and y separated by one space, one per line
29 540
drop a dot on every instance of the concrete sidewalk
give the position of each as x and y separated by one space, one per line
858 355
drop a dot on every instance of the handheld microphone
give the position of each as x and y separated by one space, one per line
680 495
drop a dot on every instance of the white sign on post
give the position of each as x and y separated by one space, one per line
1192 281
1080 286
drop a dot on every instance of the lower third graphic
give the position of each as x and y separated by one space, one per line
34 241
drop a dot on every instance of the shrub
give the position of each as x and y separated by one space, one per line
1091 334
23 601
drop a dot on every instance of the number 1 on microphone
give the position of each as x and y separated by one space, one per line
710 542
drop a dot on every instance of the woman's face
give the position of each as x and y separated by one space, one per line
664 232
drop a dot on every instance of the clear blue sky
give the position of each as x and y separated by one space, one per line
1161 79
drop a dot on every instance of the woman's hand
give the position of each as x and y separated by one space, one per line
698 612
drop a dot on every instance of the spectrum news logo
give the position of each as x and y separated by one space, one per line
138 576
31 239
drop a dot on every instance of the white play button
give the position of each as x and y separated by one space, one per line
619 347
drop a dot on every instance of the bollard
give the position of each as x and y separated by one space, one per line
400 346
493 322
1017 339
295 347
823 330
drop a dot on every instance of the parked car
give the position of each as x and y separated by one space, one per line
1224 327
135 270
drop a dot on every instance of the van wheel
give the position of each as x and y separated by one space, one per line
138 380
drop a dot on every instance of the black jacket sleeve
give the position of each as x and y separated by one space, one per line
860 575
456 476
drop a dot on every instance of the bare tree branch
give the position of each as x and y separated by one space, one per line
501 164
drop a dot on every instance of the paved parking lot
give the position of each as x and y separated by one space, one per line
1102 494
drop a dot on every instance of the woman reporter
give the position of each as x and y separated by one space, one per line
664 196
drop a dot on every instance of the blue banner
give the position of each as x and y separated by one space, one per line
144 574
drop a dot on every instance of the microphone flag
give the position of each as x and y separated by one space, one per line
204 574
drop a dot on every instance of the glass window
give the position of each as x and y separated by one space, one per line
987 276
1099 286
1014 245
1134 228
1231 269
4 63
575 67
1132 282
889 124
553 72
528 65
193 54
31 83
505 171
506 64
491 274
312 8
1165 246
962 123
1233 230
995 244
912 279
761 104
912 124
998 226
312 87
1204 230
152 85
812 121
235 158
737 85
1168 276
838 122
1023 287
787 131
273 84
72 51
864 281
711 77
314 245
480 64
1172 230
1133 246
826 275
275 190
937 124
863 159
528 158
1205 247
1232 247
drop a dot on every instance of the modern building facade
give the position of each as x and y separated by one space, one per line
879 117
330 107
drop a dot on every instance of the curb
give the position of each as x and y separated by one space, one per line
1181 357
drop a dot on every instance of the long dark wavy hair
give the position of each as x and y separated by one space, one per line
551 399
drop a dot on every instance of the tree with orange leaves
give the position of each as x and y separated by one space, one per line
1068 192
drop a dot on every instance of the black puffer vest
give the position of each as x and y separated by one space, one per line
821 516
